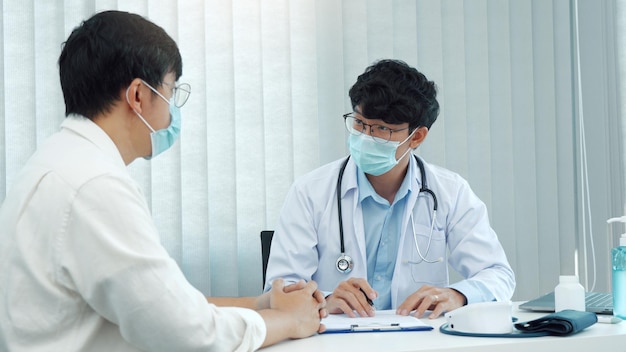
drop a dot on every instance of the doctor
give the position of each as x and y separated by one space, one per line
382 225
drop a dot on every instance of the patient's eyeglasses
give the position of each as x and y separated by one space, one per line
180 92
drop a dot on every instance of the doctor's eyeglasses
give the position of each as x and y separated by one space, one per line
180 93
379 133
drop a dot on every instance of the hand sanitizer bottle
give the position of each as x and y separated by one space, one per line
618 260
569 294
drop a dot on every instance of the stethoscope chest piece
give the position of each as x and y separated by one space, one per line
344 264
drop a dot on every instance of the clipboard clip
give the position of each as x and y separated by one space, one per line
375 327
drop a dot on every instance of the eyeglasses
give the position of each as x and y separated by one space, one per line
379 133
180 93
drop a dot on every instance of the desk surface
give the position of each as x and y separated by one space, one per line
598 337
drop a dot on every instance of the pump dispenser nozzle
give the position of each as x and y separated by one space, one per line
620 219
622 238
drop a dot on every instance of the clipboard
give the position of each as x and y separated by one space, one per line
384 321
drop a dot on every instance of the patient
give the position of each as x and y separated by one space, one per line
81 265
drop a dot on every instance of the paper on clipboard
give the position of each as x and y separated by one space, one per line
385 320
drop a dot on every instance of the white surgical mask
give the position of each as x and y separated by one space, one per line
372 157
164 138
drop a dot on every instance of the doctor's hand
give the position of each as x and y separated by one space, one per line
349 297
435 299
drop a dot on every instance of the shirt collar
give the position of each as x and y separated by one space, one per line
366 190
88 129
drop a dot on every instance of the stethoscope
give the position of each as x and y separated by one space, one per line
344 263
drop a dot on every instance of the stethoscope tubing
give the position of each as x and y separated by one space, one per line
344 263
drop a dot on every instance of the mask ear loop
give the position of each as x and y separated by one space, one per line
138 114
408 150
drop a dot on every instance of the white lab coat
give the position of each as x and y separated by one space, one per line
306 241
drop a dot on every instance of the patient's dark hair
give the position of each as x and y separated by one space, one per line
105 53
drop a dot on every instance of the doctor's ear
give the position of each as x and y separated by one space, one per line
418 137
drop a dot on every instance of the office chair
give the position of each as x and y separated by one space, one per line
266 243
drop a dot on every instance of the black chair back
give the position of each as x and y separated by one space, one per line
266 243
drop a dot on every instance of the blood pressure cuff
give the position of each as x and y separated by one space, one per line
563 323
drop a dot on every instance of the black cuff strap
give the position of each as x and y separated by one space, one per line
565 322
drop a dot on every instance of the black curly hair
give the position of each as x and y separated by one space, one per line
392 91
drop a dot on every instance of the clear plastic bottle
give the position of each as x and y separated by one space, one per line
618 256
618 261
619 281
569 294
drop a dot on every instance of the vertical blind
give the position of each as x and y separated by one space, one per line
269 84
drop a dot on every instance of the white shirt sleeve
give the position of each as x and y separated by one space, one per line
475 251
109 253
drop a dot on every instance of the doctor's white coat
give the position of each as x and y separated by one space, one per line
306 241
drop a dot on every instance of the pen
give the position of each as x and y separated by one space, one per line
369 301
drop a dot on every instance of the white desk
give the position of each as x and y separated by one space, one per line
598 337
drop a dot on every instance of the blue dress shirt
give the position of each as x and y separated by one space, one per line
382 222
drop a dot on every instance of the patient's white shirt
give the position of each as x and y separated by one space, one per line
82 268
